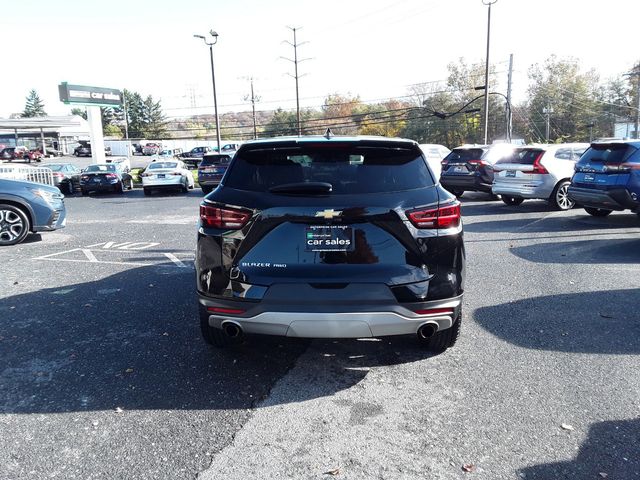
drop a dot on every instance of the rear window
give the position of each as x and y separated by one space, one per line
607 153
464 154
522 156
350 169
215 160
101 168
156 165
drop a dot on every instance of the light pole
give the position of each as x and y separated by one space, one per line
486 72
213 79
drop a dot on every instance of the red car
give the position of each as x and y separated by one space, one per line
28 155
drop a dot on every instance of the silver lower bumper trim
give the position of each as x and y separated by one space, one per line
338 324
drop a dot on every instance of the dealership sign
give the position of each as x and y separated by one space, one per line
84 95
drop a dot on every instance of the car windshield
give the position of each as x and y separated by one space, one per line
157 165
607 153
464 154
215 160
350 169
522 156
101 168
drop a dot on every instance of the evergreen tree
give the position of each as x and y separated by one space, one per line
34 107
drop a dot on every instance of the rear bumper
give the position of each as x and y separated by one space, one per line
344 321
470 183
173 182
614 199
531 189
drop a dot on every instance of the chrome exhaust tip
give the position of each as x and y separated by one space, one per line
427 330
232 329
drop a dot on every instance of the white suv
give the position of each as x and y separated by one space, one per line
538 172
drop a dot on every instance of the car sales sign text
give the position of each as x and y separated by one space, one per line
85 95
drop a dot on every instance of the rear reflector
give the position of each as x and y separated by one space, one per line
223 217
230 311
435 311
446 216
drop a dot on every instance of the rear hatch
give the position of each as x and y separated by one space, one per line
213 166
523 166
462 161
329 214
604 166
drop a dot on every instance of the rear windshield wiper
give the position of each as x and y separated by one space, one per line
303 188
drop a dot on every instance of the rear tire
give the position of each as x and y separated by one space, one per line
14 225
84 192
597 212
512 201
214 336
445 338
185 186
560 199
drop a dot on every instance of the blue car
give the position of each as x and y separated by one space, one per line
607 178
212 169
27 207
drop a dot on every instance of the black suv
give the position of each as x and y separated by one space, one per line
469 167
330 237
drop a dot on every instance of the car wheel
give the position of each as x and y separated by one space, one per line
445 338
512 200
146 191
77 154
597 212
185 186
560 197
70 188
84 192
14 225
130 184
214 336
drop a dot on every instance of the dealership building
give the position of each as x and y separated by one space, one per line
59 133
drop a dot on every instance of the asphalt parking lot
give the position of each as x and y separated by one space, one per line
104 373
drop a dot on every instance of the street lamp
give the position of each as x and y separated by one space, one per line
486 72
213 79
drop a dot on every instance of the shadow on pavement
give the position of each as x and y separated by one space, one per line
605 322
612 450
621 251
132 340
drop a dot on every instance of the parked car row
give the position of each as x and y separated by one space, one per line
601 177
21 153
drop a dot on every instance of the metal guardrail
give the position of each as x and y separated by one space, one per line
42 175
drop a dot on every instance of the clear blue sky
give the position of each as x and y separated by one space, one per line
373 48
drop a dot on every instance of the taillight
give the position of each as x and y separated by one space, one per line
111 175
84 177
621 167
232 311
537 166
446 216
435 311
479 163
58 175
223 217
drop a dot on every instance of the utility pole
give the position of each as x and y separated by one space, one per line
486 72
636 73
295 61
509 113
126 117
254 98
547 111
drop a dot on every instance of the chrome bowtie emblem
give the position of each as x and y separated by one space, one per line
329 214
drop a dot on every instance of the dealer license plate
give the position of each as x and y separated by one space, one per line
589 178
328 238
161 175
511 173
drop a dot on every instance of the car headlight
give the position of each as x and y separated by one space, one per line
46 195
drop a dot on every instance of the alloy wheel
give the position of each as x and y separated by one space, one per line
12 227
562 197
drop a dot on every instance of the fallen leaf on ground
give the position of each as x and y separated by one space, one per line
119 410
603 475
334 472
469 467
129 370
566 426
604 315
